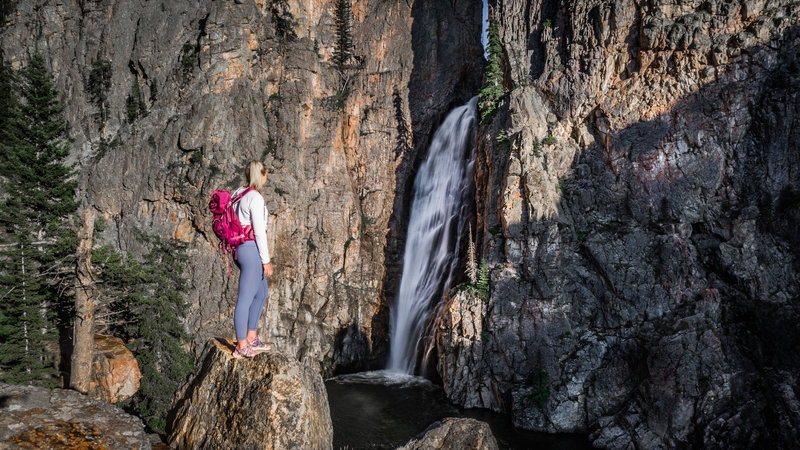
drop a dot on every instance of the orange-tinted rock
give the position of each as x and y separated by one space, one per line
116 372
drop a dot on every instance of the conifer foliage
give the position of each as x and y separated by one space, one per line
492 90
38 196
343 49
145 302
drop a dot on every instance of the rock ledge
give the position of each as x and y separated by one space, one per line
270 401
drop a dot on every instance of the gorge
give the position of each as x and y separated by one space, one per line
635 192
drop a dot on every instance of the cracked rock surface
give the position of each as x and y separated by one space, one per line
641 226
35 418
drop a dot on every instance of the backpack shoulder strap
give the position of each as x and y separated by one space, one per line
238 197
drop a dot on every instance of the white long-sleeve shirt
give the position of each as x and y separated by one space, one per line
252 211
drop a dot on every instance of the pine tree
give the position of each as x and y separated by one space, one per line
135 102
492 89
343 48
98 86
148 305
38 196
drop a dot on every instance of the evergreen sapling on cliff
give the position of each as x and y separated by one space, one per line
343 48
492 90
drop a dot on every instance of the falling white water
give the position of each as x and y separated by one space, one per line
437 220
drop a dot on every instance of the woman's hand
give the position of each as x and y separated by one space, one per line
267 270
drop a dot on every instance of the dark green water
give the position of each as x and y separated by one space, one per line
380 410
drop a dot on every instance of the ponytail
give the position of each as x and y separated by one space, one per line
254 173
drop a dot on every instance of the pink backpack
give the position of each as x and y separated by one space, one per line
226 223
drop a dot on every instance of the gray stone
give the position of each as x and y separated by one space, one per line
35 417
454 433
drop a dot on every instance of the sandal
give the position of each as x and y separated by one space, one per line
259 346
245 352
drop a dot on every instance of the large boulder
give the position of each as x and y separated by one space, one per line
452 433
35 417
271 402
116 373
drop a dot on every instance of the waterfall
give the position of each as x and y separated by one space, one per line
437 220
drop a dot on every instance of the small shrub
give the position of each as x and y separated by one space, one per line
502 137
482 285
541 392
98 86
197 157
547 23
336 101
189 56
153 91
549 140
135 102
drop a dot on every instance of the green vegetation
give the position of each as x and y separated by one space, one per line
539 380
502 137
197 157
492 90
547 23
135 104
482 284
98 86
343 47
153 91
38 198
103 146
189 56
283 21
336 101
145 303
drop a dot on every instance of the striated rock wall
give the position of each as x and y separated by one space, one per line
224 82
641 225
270 401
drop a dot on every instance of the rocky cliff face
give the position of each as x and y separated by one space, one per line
198 88
641 224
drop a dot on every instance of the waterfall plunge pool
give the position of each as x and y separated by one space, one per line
383 410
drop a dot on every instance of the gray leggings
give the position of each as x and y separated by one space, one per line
253 290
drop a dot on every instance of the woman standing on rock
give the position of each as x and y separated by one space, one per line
254 262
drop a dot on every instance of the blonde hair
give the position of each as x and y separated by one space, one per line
254 173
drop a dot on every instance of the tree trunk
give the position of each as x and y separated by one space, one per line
83 332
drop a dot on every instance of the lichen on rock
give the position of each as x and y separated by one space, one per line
270 401
35 418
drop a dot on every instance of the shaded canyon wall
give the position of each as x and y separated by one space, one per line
641 226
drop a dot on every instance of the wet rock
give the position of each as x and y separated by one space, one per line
35 418
452 433
270 401
116 371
